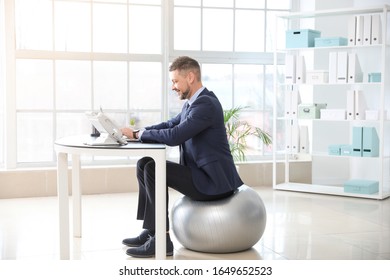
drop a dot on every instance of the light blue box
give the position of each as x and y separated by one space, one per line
301 38
330 42
374 77
370 142
334 150
346 150
361 186
357 141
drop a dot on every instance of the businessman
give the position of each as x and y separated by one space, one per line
206 170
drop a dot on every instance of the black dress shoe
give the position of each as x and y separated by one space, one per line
139 240
148 250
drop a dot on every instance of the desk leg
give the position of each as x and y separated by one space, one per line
160 206
76 195
63 202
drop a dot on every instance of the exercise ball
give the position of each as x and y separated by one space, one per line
227 225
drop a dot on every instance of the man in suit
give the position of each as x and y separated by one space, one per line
206 170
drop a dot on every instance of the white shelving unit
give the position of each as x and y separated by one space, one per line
329 172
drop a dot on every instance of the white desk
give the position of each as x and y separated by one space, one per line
75 147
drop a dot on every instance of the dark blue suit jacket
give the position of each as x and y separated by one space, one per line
201 135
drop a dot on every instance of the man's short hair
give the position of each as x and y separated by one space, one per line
186 64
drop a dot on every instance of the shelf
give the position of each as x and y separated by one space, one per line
329 172
332 48
334 84
336 12
322 120
321 189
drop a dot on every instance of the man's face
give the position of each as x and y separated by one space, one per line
180 84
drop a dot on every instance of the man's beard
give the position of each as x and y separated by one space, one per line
184 94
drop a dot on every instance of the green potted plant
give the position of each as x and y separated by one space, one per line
237 132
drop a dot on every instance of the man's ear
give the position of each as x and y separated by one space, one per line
191 77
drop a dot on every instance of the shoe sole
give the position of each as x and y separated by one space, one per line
132 245
169 254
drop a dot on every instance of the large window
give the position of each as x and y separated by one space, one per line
233 40
71 56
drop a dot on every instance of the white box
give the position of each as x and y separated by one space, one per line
333 114
359 30
333 67
360 105
295 100
292 99
367 30
342 67
288 138
317 77
303 139
355 74
300 69
350 104
373 115
290 69
294 138
352 31
376 30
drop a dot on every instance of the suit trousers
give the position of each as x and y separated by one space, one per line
178 177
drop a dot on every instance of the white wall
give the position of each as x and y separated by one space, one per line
310 5
367 3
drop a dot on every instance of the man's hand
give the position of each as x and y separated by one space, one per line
128 132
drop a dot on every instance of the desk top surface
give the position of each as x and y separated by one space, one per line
79 141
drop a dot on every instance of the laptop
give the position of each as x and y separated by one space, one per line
110 133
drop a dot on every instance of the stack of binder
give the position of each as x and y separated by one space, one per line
365 30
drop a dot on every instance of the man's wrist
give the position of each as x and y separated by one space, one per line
135 134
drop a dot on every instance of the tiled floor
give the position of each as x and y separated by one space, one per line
299 227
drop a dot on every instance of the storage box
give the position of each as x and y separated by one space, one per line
333 114
317 77
334 150
301 38
370 142
345 150
373 115
330 42
310 111
361 186
374 77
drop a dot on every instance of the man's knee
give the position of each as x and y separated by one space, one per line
141 164
150 167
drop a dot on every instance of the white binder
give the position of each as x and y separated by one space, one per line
303 139
295 100
300 70
342 67
376 30
333 67
359 30
355 74
360 105
288 137
350 105
287 104
294 138
352 31
290 69
367 30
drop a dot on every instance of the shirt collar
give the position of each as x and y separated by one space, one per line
193 98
